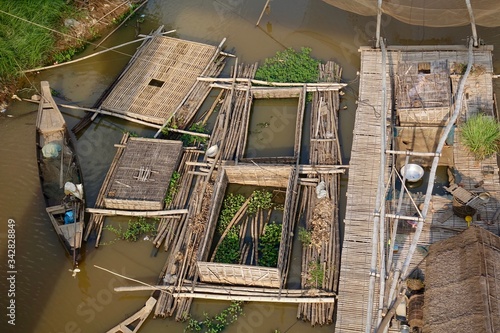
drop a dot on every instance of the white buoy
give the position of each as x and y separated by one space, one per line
212 151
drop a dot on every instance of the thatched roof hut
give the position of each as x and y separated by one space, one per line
463 284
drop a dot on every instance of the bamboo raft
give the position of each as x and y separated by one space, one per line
440 221
159 82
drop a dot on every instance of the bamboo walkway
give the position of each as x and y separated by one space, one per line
362 186
440 222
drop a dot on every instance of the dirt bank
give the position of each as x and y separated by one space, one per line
93 17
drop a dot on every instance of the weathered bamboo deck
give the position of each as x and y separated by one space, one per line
365 168
160 82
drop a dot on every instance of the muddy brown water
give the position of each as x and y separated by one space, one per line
47 298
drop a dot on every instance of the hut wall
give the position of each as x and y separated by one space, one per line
269 176
462 283
425 117
239 274
273 92
125 204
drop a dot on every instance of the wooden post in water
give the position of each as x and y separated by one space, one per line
262 13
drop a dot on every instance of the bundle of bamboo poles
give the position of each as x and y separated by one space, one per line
321 258
169 227
235 106
181 263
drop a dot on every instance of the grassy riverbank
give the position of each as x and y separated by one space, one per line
39 32
23 44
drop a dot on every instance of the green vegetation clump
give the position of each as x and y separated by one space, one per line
305 236
173 187
230 206
229 250
218 322
481 135
315 274
290 66
192 140
25 45
260 199
269 244
134 229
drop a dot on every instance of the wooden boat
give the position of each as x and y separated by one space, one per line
60 175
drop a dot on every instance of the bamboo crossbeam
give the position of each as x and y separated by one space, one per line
411 153
122 23
275 84
246 298
233 290
145 213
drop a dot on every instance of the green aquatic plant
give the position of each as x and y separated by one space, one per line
305 236
315 274
269 244
260 199
134 229
173 187
480 135
229 249
191 140
218 322
290 66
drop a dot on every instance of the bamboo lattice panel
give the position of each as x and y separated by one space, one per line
142 175
156 83
239 274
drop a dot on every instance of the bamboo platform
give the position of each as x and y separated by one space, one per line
137 180
160 82
365 168
140 180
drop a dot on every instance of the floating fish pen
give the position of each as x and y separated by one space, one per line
242 92
250 228
389 235
137 180
160 82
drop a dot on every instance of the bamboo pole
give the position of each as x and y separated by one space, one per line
122 23
273 299
86 57
145 213
216 289
378 201
263 11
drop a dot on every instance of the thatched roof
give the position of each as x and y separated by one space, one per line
463 284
